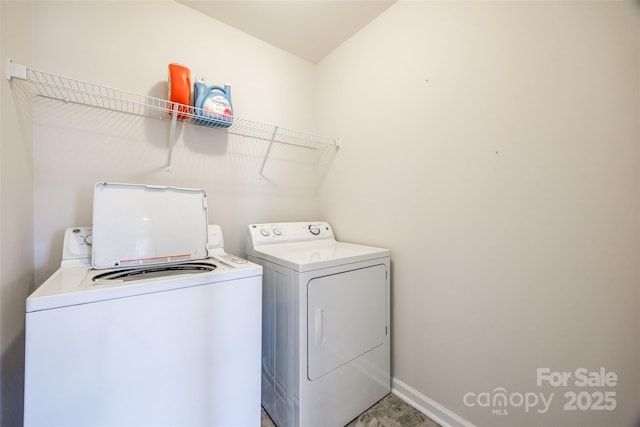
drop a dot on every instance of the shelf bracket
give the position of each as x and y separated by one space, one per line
172 134
16 70
264 160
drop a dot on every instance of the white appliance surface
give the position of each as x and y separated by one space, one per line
167 345
325 336
336 333
137 224
295 246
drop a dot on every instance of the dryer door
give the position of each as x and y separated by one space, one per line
346 317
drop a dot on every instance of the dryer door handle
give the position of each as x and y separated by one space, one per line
318 327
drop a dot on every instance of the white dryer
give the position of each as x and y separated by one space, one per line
169 335
325 324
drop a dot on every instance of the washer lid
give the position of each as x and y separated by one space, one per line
137 224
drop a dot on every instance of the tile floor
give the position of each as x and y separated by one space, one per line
391 411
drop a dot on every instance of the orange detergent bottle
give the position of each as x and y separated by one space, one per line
180 89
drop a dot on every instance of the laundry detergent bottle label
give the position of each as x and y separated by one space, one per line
213 105
217 105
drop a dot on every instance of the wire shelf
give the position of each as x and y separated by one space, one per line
66 89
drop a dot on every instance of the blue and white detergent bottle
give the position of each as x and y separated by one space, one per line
213 105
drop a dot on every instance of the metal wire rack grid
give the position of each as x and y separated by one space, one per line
58 87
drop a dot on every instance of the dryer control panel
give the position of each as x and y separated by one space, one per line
286 232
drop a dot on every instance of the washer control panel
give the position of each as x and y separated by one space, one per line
77 243
78 240
285 232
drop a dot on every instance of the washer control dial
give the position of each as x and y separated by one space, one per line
264 232
277 232
314 229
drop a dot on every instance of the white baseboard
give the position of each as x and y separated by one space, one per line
430 408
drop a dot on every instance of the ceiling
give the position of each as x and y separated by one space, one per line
309 29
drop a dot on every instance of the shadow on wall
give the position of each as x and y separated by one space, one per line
17 280
300 162
199 139
22 98
12 401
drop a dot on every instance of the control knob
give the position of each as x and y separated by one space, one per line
314 229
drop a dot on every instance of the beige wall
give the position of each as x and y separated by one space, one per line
494 147
16 211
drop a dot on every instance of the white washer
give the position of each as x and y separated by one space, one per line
170 344
325 325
